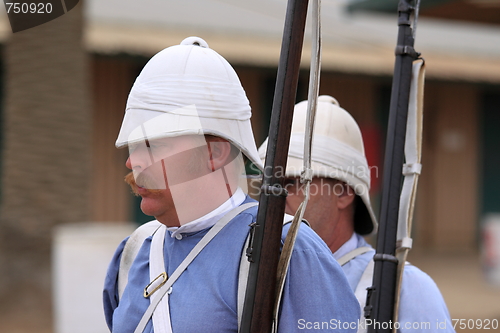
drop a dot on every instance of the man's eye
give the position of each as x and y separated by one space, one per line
156 145
132 148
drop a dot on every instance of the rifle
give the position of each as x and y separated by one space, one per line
379 307
265 240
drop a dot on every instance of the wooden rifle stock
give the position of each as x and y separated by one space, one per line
381 296
264 248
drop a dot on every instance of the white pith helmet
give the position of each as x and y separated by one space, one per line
337 152
189 89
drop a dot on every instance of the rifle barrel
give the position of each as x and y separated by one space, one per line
265 246
380 301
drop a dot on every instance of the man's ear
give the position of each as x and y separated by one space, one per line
219 152
346 198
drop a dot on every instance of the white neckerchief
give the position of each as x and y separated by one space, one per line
347 247
208 220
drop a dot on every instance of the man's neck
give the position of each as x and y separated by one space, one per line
339 241
344 229
212 217
346 247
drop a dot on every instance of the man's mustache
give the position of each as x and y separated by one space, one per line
146 182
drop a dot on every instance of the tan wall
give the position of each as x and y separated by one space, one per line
251 79
356 95
447 206
448 194
111 198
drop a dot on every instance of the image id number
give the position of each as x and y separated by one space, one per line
25 8
485 324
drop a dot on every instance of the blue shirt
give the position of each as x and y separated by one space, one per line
421 303
204 298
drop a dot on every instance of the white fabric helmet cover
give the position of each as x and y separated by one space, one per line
188 89
337 152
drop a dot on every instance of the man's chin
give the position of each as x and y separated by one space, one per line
149 206
160 210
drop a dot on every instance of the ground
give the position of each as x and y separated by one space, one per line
462 283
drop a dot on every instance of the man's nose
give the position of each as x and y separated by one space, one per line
128 164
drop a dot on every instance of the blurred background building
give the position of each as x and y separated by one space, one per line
65 85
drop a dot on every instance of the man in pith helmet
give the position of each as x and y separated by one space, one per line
187 128
339 210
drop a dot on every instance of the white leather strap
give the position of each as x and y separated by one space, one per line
353 254
130 250
161 317
413 152
160 293
360 293
242 282
411 171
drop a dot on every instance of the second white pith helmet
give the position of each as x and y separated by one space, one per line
189 89
337 152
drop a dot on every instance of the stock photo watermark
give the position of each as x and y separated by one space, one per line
335 324
326 183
